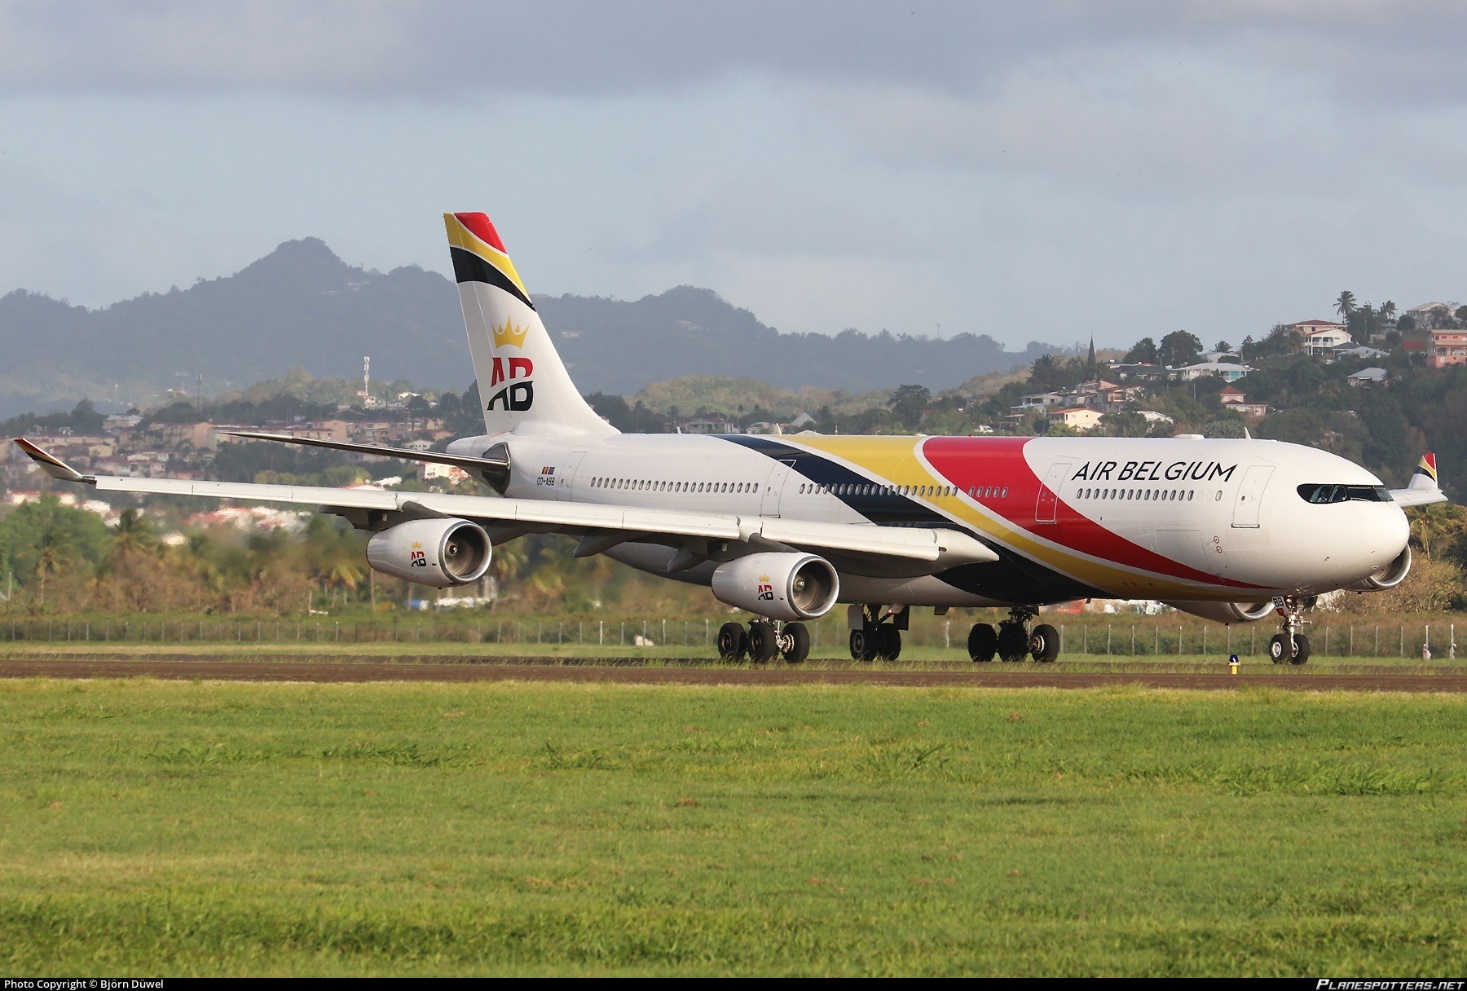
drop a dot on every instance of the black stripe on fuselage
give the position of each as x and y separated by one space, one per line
883 506
469 267
1012 578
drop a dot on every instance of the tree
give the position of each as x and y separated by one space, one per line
1345 305
1143 350
1222 346
1178 348
909 402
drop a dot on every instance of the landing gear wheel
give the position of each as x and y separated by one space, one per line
1013 642
982 643
762 643
798 646
863 645
733 642
1044 643
1278 648
1301 649
889 642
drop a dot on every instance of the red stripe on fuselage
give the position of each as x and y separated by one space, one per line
980 461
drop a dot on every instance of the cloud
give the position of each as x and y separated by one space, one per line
1384 50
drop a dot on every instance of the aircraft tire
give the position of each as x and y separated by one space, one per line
982 643
799 648
889 642
1301 649
1044 643
1013 644
763 644
863 644
733 642
1278 648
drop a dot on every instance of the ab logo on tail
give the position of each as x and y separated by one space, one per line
516 397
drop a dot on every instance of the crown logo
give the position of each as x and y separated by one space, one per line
417 545
508 333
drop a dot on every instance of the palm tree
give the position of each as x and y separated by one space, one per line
1345 305
1387 310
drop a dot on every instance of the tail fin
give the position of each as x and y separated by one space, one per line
1422 490
522 382
1425 476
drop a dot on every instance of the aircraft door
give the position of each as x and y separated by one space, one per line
774 488
1249 499
565 484
1048 501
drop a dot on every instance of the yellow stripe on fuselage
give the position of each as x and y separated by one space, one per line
896 460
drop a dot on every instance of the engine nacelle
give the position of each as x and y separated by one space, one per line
1226 612
1388 577
787 586
440 553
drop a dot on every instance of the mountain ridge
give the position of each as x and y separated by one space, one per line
302 306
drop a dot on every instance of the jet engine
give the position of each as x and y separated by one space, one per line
788 586
1226 612
1388 577
439 552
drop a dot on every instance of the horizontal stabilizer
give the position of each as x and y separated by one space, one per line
1422 489
465 462
51 464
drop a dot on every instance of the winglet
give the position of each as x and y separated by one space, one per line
51 464
1422 490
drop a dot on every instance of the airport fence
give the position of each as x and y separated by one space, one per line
1157 637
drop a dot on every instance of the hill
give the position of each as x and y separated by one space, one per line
303 307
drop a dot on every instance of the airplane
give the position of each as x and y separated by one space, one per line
787 527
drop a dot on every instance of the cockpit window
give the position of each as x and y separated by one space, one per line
1323 493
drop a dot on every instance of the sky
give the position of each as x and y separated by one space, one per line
1040 170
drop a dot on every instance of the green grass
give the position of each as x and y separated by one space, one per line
210 828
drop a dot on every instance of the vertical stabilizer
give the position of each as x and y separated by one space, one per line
523 384
1425 476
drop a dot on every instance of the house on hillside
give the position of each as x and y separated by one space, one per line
1431 316
1446 347
1225 370
1231 397
1321 336
1077 418
1367 377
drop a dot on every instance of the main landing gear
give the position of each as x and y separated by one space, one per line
1014 639
761 641
876 634
1290 645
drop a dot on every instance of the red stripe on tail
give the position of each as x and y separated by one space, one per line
479 225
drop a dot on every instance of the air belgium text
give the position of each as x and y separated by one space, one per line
1154 471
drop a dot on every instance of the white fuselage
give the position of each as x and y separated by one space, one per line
1190 519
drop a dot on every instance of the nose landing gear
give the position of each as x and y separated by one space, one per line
1290 645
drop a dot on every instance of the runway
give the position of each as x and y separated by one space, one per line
434 668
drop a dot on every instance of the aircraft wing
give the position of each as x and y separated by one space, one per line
1417 497
949 547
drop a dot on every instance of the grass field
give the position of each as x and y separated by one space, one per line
501 828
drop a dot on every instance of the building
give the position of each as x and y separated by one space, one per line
1231 397
1078 418
1446 347
1366 377
1225 370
